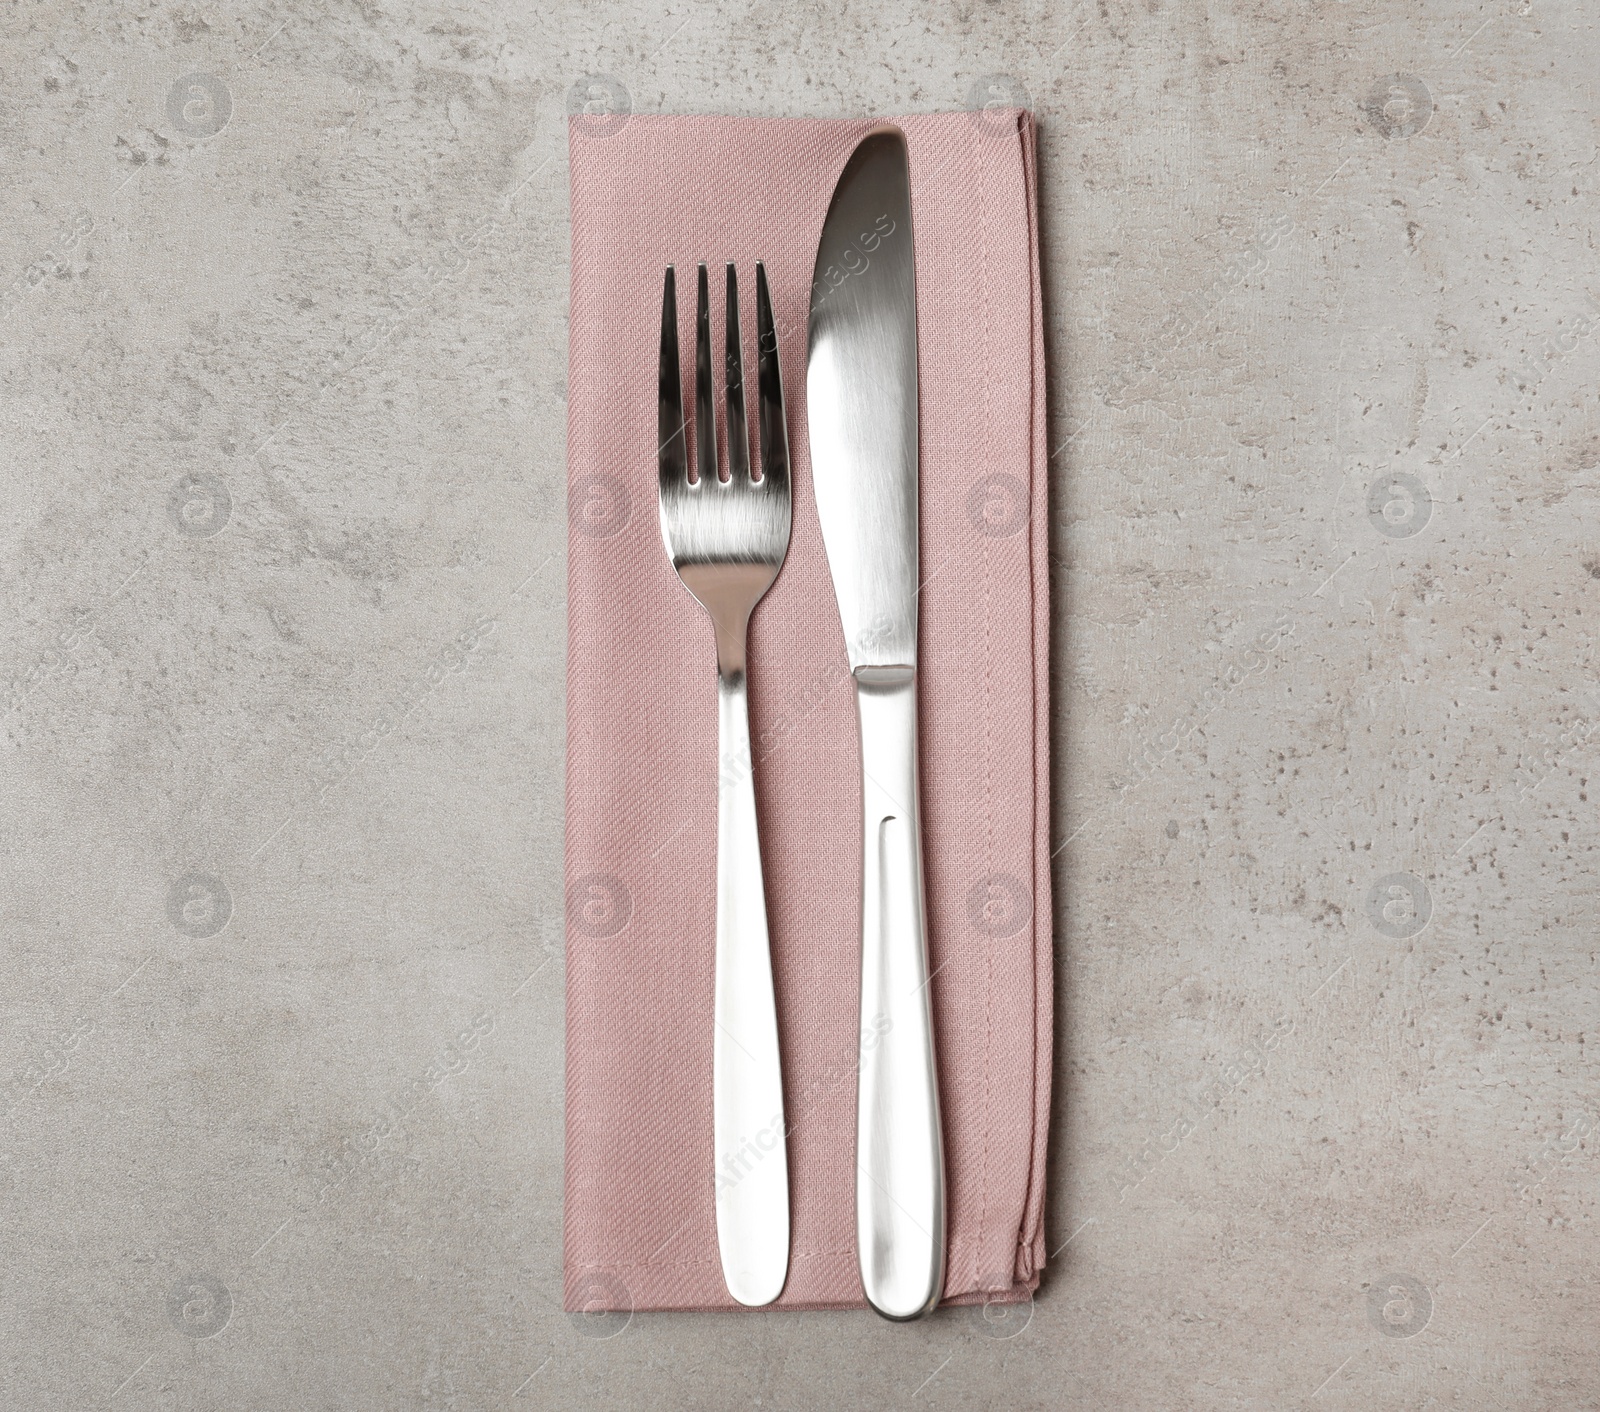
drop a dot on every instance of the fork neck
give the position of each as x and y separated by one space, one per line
732 641
728 592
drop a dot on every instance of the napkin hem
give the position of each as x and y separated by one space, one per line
1031 1256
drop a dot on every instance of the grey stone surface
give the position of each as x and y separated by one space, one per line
282 360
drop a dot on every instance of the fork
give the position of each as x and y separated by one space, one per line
727 539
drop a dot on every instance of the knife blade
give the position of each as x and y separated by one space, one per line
861 395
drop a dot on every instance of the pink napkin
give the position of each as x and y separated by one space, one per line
642 716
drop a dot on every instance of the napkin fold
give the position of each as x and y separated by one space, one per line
640 1221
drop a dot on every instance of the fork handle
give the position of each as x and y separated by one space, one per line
900 1206
752 1167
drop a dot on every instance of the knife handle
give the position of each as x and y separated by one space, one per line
752 1171
900 1209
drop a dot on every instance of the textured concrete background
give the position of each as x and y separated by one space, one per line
282 351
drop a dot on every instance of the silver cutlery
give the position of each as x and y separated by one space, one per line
727 540
861 393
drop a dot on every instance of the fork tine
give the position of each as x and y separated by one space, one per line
738 425
671 453
774 431
705 409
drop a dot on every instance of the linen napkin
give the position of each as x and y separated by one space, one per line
640 1223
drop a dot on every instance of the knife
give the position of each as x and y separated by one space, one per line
861 396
